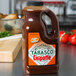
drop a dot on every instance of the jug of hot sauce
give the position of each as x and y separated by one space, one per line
40 48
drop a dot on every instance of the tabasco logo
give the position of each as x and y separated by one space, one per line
41 53
34 40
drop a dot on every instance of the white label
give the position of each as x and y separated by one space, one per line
41 53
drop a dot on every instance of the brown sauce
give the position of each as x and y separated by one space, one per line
40 48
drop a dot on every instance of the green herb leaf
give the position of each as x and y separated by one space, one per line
5 34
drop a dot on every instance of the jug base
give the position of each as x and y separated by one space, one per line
42 70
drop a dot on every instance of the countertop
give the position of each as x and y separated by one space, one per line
67 63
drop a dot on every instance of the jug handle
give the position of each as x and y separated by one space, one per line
51 15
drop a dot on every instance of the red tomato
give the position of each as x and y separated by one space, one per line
64 37
61 33
72 39
74 31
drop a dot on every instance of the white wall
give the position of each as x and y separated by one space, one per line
4 6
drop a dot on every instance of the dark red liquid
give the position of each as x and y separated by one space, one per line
37 25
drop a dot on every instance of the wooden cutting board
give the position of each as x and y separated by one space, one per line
9 49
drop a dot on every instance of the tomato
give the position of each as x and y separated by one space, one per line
64 37
61 33
72 39
73 31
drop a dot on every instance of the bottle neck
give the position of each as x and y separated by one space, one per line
32 15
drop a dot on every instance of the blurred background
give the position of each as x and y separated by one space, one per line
11 6
65 10
11 19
